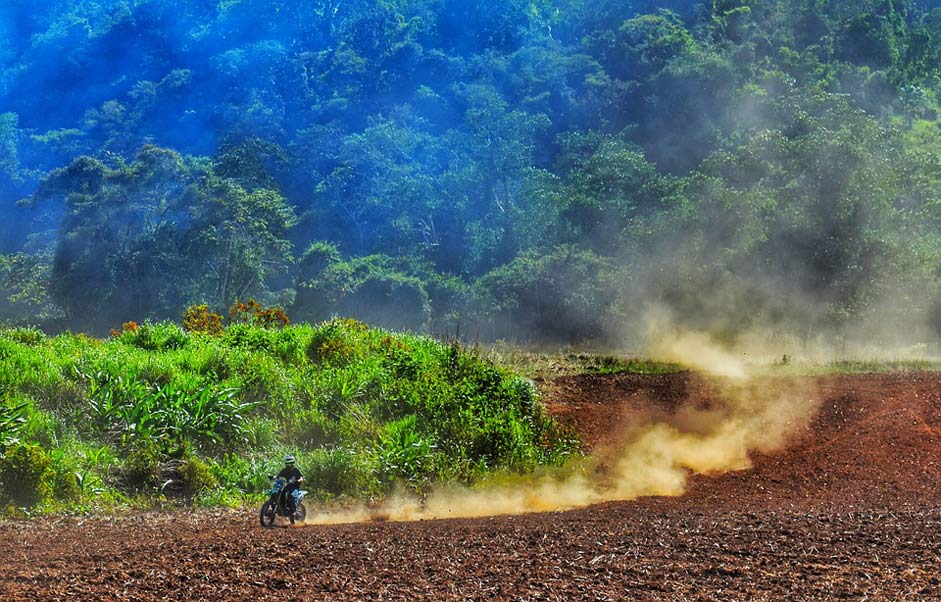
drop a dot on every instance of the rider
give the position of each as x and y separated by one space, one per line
293 477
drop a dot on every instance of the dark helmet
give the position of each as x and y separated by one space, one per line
290 460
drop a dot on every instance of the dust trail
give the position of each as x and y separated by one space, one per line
731 414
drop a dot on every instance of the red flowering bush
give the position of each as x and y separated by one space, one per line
198 318
254 313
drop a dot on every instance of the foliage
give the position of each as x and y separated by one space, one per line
156 411
25 475
374 288
252 312
116 257
340 472
196 476
11 423
171 413
439 166
152 337
563 293
199 318
405 454
24 286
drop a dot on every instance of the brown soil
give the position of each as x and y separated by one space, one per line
851 509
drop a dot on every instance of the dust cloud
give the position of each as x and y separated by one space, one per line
729 413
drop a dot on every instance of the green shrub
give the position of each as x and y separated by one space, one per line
196 476
96 464
208 361
141 467
290 345
220 497
335 343
67 475
312 429
25 475
339 472
184 410
249 337
12 421
30 335
232 470
26 368
58 395
199 319
404 454
249 475
340 391
259 433
162 336
44 428
263 378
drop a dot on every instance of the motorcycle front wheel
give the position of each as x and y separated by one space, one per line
268 513
301 513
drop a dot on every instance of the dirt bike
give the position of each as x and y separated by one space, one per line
277 505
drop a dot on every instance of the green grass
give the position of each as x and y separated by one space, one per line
159 415
854 367
544 365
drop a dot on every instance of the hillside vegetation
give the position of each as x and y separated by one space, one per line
539 170
159 413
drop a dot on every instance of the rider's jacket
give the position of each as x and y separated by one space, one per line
290 472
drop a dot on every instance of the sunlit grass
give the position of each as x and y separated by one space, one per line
849 367
159 413
550 364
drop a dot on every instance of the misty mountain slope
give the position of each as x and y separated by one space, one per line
544 171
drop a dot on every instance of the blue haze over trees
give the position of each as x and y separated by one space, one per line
541 170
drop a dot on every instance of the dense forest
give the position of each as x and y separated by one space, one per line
539 170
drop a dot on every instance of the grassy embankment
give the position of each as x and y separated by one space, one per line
550 364
864 366
546 365
160 415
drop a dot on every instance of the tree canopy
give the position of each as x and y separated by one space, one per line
544 170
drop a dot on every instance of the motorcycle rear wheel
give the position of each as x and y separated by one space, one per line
268 513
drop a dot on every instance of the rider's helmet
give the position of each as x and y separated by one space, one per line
289 460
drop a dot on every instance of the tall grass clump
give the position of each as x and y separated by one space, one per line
204 413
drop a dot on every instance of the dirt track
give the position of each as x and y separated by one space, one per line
852 509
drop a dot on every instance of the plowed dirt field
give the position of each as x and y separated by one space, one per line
850 509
